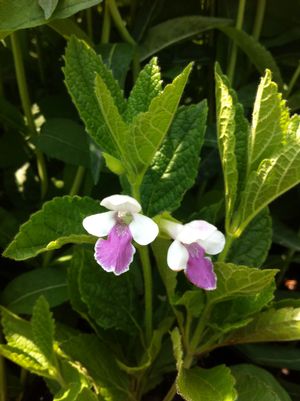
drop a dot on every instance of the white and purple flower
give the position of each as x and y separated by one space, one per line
187 252
122 224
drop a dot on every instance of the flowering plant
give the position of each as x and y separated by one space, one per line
107 314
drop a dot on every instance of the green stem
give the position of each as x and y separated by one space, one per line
293 80
89 23
106 24
77 181
199 330
233 55
26 105
228 243
119 22
259 18
286 265
23 378
145 259
171 393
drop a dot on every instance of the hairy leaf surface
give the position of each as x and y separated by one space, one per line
20 14
82 65
257 384
112 383
273 325
59 222
96 284
252 247
175 165
43 328
146 88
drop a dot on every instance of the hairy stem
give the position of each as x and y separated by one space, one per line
26 105
233 55
259 18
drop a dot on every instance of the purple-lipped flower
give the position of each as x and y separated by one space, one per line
121 225
192 242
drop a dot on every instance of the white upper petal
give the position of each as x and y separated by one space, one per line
196 230
143 229
171 228
121 203
99 224
214 243
178 256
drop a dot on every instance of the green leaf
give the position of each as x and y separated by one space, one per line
232 130
43 328
285 236
48 7
150 128
73 285
64 140
138 142
273 325
68 27
19 14
197 384
177 347
111 382
21 347
176 30
71 394
87 395
21 293
118 129
254 383
146 88
117 57
175 165
82 65
96 284
193 301
258 232
234 280
8 227
241 292
10 115
269 123
256 52
274 355
273 177
59 222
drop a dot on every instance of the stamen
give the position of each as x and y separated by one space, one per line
124 218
